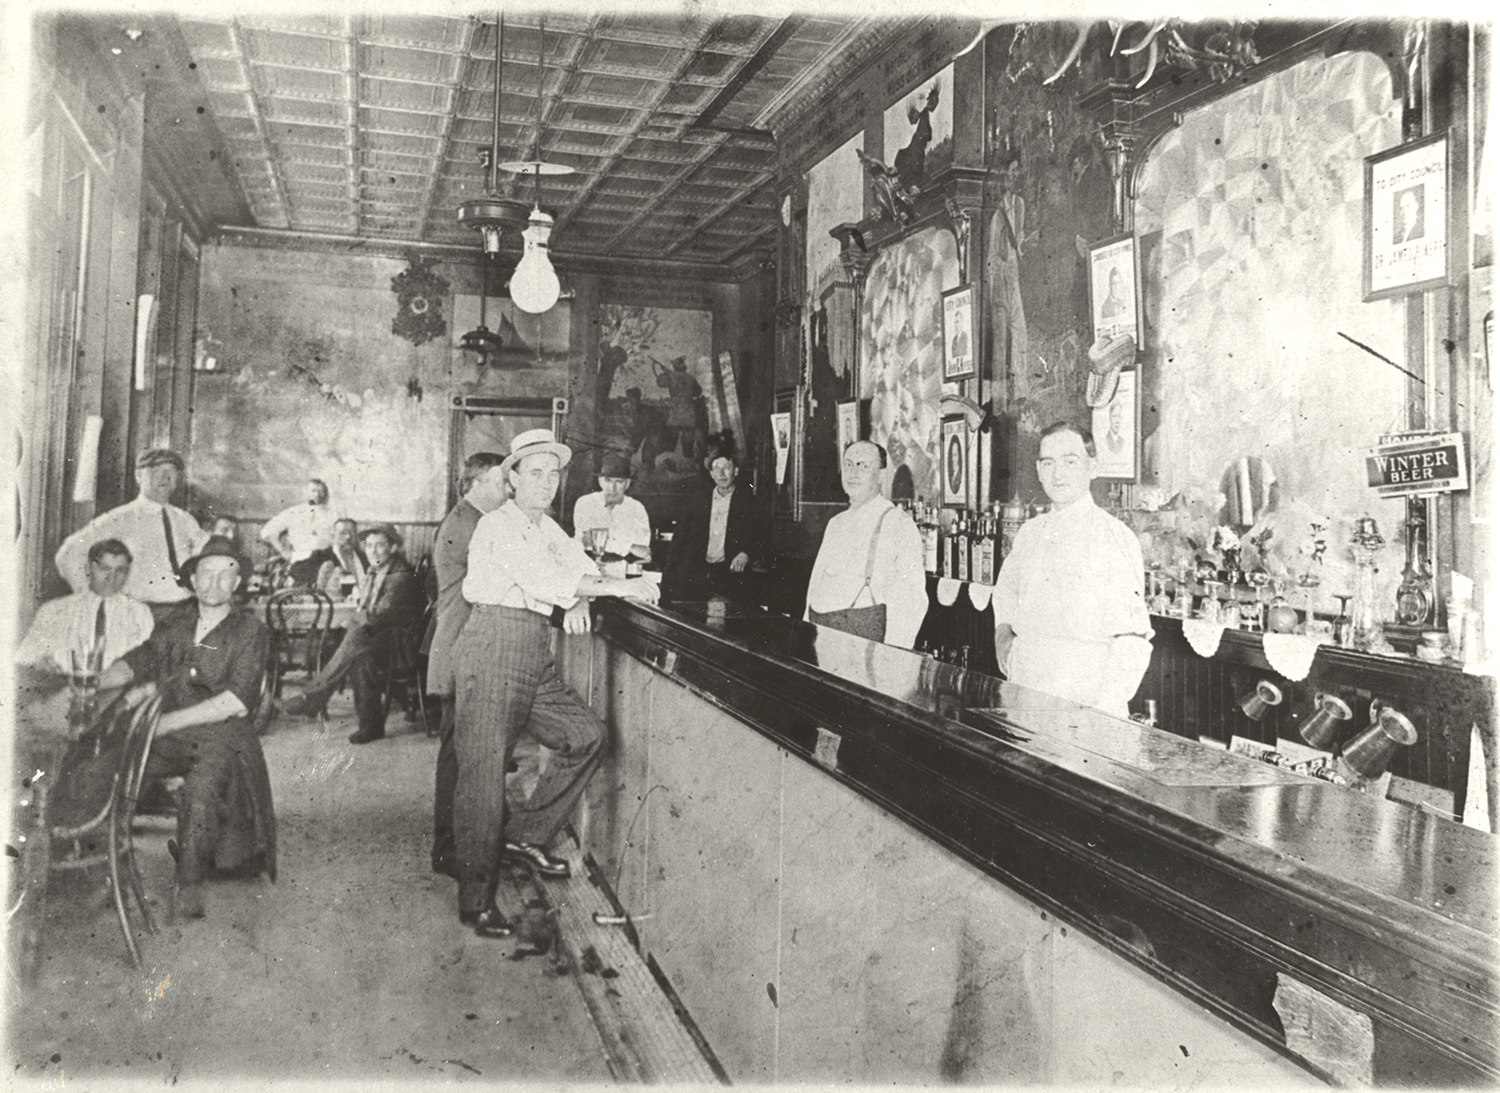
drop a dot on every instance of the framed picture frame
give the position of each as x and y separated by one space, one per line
955 464
1114 289
958 334
848 425
1406 218
1117 432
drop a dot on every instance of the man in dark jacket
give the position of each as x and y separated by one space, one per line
208 662
390 602
720 536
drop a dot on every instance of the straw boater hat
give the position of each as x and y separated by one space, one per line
531 442
1106 357
216 547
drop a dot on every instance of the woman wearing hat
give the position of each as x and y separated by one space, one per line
719 535
390 599
522 568
208 661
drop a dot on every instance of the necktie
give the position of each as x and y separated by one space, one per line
99 625
166 526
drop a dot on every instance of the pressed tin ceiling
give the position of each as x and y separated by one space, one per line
372 125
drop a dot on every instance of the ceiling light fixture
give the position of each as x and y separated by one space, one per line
534 287
491 213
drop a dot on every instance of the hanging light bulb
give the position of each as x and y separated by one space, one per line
534 287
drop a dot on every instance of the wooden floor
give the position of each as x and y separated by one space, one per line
351 969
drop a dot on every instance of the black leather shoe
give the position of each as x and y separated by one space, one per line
363 738
534 856
487 923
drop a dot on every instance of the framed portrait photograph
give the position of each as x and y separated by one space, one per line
955 466
1114 289
1117 430
1406 218
959 347
848 430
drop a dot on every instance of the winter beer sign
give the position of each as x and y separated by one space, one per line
1417 463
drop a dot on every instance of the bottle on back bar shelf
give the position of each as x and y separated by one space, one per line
929 529
987 551
976 548
961 549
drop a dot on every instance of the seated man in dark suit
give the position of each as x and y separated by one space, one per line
720 536
208 663
391 600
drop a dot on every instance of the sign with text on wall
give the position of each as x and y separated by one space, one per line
1408 464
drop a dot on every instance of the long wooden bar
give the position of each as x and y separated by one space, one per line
1352 935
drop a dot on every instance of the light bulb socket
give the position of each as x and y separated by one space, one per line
490 216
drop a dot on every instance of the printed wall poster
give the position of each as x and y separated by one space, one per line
848 424
1406 218
781 439
1116 427
1112 289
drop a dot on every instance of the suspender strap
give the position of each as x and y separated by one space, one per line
870 562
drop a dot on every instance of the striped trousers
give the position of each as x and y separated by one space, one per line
506 685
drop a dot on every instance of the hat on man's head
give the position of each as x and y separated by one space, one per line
533 441
392 536
216 547
1106 357
614 465
722 446
155 457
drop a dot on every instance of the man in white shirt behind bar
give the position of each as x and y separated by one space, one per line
1070 614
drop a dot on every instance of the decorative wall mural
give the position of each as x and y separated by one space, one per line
659 392
310 386
901 333
835 195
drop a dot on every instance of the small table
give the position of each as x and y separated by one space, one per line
44 733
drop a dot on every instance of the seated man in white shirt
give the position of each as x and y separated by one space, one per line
99 621
158 534
626 527
1070 612
303 534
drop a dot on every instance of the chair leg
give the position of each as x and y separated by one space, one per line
134 874
114 877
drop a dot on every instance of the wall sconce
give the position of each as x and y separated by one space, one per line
1322 729
1369 753
1257 702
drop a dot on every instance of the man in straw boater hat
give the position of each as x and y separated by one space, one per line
208 661
522 568
158 534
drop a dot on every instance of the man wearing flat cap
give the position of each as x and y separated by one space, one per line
391 599
158 534
522 567
621 521
208 662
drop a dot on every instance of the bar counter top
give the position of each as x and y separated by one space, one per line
1221 875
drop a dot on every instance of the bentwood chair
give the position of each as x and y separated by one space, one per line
298 621
406 673
93 808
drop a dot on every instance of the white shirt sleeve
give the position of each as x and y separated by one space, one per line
899 580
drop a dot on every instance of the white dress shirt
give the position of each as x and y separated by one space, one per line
627 522
718 526
308 527
516 563
899 581
1071 589
138 525
65 626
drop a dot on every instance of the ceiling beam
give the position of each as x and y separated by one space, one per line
724 209
445 135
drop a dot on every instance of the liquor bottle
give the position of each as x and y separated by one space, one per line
931 533
945 544
986 551
960 553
